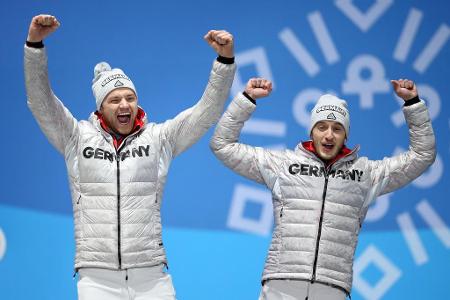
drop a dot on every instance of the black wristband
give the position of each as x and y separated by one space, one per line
225 60
248 97
39 44
412 101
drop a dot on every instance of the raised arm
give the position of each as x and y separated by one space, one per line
394 172
55 120
255 163
190 125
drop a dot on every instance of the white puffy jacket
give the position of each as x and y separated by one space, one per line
318 212
116 195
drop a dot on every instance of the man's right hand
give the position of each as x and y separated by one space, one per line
41 26
221 41
405 89
258 88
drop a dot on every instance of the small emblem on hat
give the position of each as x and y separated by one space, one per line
118 83
331 116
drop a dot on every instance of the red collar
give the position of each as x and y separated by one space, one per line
309 145
118 138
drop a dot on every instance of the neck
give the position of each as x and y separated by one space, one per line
117 135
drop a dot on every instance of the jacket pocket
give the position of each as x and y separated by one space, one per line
78 215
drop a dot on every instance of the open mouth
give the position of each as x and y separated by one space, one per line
328 147
124 118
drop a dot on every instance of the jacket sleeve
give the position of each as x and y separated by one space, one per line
393 173
255 163
53 118
190 125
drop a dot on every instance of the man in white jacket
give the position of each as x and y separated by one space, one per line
321 190
117 164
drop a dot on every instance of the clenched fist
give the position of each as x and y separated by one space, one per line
41 26
405 89
221 41
258 88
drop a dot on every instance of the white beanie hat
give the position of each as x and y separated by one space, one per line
106 80
331 108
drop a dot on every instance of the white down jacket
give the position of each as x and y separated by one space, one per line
318 212
116 194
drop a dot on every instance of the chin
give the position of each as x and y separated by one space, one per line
327 156
123 131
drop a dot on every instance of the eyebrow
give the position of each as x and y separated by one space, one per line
119 97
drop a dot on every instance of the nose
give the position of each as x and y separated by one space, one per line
329 134
123 103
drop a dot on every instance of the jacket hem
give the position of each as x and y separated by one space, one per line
299 277
109 266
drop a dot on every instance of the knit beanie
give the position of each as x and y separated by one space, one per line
331 108
106 80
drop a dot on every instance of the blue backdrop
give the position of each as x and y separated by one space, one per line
217 225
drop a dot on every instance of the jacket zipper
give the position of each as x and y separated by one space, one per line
324 194
118 194
319 233
118 158
118 189
118 209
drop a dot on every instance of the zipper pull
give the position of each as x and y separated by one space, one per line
281 211
78 201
